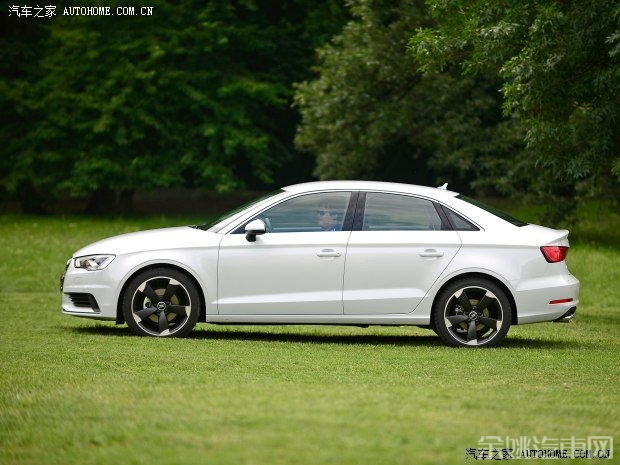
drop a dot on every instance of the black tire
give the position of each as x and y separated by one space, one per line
472 312
161 302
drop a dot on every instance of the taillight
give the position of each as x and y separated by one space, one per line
554 253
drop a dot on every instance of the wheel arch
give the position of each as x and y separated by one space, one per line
478 275
120 319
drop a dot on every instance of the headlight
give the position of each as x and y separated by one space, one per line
93 262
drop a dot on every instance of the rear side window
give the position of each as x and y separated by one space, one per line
394 212
458 222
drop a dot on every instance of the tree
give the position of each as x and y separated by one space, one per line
366 93
19 55
371 114
196 95
559 66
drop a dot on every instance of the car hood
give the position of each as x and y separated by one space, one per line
154 239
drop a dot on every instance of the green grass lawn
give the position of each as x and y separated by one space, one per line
79 392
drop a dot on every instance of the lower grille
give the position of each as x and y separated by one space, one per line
84 301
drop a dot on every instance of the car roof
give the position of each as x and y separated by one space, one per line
434 192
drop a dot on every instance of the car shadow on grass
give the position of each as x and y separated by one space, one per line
248 334
318 338
430 340
260 335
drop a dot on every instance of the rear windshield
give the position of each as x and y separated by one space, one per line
500 214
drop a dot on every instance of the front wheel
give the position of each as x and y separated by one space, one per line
161 302
472 313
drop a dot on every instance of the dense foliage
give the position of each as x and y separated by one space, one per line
371 114
196 95
358 112
505 96
559 62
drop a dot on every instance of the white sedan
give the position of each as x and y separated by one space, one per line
334 253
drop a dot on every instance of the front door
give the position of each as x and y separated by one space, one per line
295 268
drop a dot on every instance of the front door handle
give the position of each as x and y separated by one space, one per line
431 253
328 253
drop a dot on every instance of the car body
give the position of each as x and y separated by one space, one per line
335 253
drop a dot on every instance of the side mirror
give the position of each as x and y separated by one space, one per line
253 229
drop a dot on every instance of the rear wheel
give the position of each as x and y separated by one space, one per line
472 313
161 302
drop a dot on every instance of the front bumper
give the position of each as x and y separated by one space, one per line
89 294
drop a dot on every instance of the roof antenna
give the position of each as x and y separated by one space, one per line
444 187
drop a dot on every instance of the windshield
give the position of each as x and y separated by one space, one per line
222 221
500 214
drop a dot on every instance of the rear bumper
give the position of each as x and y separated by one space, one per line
567 317
551 298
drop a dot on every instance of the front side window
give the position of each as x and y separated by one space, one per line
394 212
308 213
221 222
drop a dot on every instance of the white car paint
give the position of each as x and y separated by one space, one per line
353 276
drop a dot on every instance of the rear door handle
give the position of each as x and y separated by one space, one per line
431 253
329 253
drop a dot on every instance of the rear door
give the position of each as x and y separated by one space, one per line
399 247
